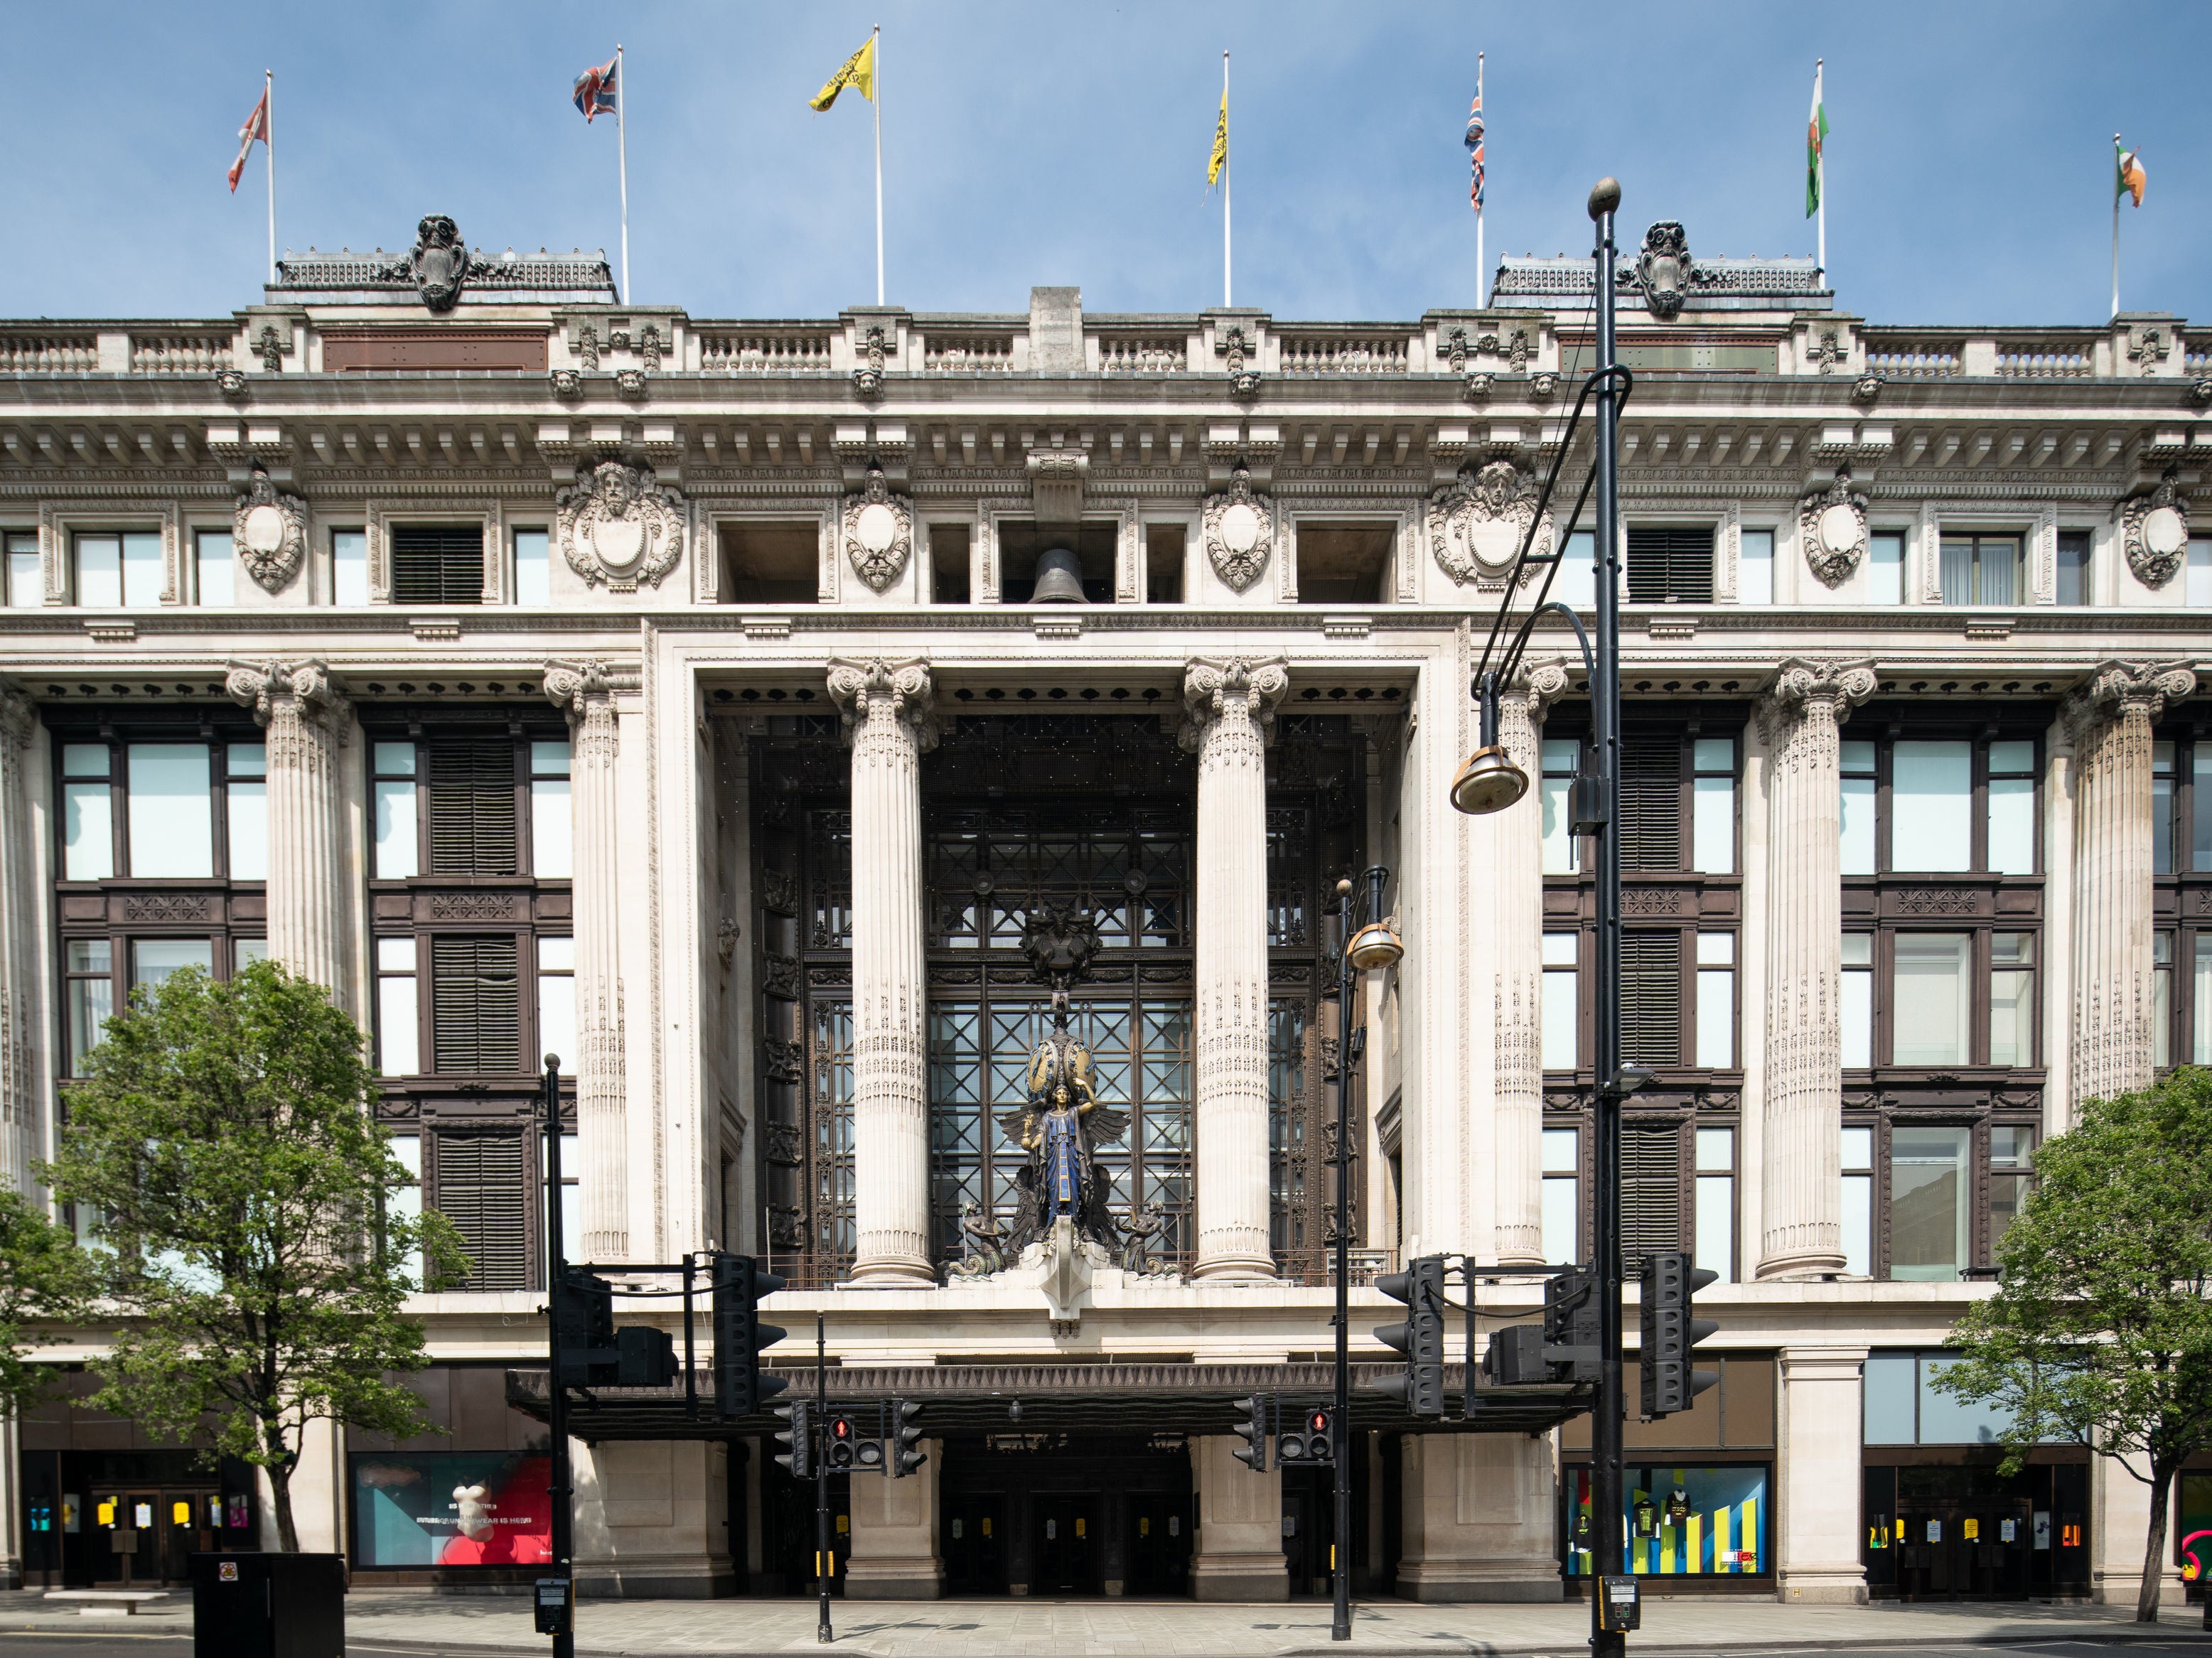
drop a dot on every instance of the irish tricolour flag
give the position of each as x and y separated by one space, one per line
1816 133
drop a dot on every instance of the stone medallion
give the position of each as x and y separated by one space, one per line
1475 525
2155 530
269 529
1832 526
1240 531
879 532
617 525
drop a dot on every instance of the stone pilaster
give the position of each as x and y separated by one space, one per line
307 721
22 1142
2109 719
586 691
1230 705
1514 906
890 723
1801 1182
1817 1549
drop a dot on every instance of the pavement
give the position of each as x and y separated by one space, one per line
418 1624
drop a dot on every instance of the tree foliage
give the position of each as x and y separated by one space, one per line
223 1139
44 1278
2101 1330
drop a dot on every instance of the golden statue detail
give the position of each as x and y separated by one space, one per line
1061 1127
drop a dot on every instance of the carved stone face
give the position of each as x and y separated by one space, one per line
618 489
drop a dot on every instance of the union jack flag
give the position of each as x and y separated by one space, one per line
595 90
1474 150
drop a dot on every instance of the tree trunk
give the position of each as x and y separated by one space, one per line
2154 1577
287 1534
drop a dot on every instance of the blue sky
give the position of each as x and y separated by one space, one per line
1969 164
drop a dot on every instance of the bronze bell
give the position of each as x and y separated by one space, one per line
1058 578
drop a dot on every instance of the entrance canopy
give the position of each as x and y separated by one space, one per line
1188 1399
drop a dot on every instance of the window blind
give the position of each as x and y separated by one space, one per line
1651 802
1651 998
471 788
480 1189
437 564
475 1005
1670 562
1650 1189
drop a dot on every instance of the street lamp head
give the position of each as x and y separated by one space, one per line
1488 782
1376 946
1604 196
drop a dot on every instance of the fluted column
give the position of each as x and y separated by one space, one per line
1800 1182
1229 707
890 722
586 691
2109 719
21 1141
307 721
1513 910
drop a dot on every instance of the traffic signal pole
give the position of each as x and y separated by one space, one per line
820 1482
1340 1426
562 1491
1605 1428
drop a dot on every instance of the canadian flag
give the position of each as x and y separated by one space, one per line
257 126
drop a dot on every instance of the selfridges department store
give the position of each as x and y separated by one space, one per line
767 716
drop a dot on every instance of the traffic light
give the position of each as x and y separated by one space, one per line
739 1283
850 1450
1570 1326
1514 1358
1671 1282
1420 1338
584 1314
798 1433
1252 1428
900 1457
645 1357
1310 1440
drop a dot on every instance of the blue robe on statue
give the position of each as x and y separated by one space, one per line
1063 1164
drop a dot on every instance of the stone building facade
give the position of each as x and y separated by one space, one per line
543 672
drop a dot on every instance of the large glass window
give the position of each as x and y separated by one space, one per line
1885 567
348 567
1858 805
2074 566
1930 1184
399 1009
1931 1012
1716 1218
557 1000
246 800
89 965
26 575
1931 805
214 564
533 567
2012 1173
88 813
1562 1002
2012 999
1715 1013
1680 1522
1712 799
393 806
1980 569
1561 757
172 817
1562 1209
2012 807
1858 1001
551 831
1755 569
2200 1001
1858 1201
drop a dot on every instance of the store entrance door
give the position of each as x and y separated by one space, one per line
1066 1542
1973 1549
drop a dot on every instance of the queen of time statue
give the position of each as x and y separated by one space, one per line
1061 1127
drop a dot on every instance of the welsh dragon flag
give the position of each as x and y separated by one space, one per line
1816 133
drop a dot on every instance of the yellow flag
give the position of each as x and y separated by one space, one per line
858 73
1220 156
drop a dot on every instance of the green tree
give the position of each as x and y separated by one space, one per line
223 1139
44 1278
2101 1330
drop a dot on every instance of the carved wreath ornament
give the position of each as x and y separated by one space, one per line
2154 529
878 530
270 529
1475 525
1240 531
618 526
1832 525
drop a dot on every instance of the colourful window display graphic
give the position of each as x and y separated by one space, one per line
2192 1535
1680 1522
451 1509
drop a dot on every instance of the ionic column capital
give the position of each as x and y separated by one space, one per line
2116 690
577 687
1539 684
304 687
863 687
19 717
1804 685
1212 687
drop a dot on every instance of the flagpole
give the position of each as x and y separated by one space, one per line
877 104
2116 227
622 163
1479 262
269 143
1820 259
1225 171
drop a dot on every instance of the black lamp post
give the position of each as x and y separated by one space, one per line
1368 948
556 1405
1489 782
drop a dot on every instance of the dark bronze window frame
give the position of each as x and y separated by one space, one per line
2182 897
